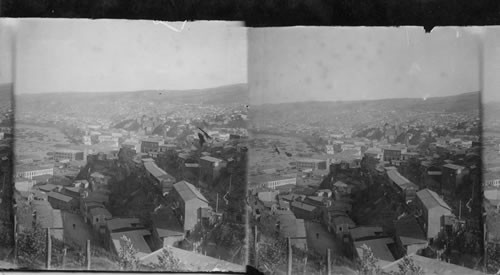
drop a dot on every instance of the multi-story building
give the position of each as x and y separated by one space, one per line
432 208
274 181
393 153
453 175
186 202
29 171
68 154
330 149
308 163
210 168
151 145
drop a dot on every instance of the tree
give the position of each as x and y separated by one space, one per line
408 267
128 260
368 262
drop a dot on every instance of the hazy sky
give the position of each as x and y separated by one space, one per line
6 46
324 63
491 64
59 55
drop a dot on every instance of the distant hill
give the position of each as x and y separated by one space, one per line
363 111
219 95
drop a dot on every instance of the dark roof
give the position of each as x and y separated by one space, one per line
166 224
303 206
100 211
188 192
121 223
47 187
59 196
409 231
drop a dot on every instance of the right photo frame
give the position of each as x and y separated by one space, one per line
365 150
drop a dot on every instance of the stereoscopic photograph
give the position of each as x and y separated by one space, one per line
130 145
364 150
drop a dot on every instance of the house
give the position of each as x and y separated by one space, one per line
431 208
402 185
304 210
326 193
60 201
151 144
98 218
166 228
47 187
186 200
317 201
275 181
339 226
72 192
309 163
453 175
410 238
210 168
115 225
366 232
393 153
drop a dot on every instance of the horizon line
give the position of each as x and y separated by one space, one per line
358 100
124 91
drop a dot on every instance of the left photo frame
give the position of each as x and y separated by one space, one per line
7 48
130 147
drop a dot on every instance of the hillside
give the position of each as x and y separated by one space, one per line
361 113
116 104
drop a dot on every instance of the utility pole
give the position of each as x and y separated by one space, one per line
64 258
289 269
328 262
49 250
256 247
88 255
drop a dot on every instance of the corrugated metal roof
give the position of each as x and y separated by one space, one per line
430 199
187 191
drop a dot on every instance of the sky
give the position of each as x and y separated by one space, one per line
328 64
6 50
72 55
491 65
